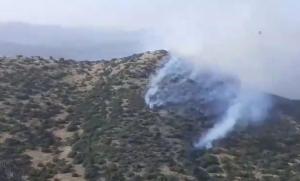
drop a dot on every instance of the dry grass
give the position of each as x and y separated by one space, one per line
39 157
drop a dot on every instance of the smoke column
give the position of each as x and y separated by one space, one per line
228 54
254 40
258 40
220 129
180 82
249 106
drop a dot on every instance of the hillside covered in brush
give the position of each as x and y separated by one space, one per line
87 120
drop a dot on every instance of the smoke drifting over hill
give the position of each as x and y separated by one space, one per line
211 93
256 40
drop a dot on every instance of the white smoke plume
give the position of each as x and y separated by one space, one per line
257 40
254 42
250 107
214 93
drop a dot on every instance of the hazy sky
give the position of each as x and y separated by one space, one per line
120 13
104 13
68 42
258 40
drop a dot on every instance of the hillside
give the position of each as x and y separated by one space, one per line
72 121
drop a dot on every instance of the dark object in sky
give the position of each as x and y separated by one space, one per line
259 32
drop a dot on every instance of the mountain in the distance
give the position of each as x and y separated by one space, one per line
87 120
68 42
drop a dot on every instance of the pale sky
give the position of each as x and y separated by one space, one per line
104 13
222 34
120 13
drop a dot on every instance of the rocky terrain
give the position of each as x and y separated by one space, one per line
73 121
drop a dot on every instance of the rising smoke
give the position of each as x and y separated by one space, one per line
213 93
254 40
230 53
257 40
247 106
228 49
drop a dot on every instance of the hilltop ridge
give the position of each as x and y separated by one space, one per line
70 120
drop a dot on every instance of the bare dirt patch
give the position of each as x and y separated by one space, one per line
39 157
4 136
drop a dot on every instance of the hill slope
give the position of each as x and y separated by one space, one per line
68 120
